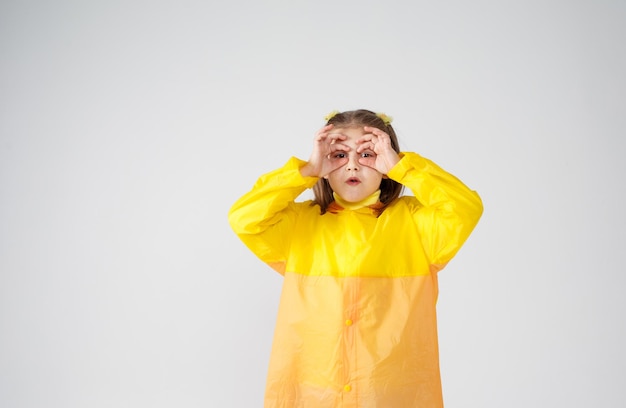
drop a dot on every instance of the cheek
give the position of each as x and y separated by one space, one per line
333 174
377 179
332 179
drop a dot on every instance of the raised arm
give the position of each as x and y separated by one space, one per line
447 210
263 218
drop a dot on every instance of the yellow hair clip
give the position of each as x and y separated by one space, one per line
385 118
331 115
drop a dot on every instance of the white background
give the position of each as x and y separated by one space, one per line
128 128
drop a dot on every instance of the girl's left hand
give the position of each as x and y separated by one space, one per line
379 143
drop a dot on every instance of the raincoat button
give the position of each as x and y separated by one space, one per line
348 322
347 388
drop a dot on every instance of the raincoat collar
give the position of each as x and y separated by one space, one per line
370 202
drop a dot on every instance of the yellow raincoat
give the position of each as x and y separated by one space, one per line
356 325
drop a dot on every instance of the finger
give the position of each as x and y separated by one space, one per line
374 130
368 161
365 142
382 141
368 145
382 136
378 133
323 132
339 147
334 138
365 138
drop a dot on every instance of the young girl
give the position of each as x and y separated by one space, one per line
356 325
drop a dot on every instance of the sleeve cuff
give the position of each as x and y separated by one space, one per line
408 161
293 167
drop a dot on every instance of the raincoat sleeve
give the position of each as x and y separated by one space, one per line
264 217
446 211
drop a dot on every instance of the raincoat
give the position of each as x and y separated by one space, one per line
356 325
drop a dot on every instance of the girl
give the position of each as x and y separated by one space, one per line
356 325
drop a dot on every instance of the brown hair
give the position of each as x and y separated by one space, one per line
389 189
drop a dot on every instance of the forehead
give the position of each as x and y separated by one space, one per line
352 133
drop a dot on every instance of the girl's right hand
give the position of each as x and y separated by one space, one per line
326 155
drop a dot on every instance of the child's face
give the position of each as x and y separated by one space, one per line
354 181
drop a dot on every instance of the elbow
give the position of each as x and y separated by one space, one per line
243 223
477 208
235 221
469 213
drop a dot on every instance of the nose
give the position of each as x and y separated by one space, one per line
353 162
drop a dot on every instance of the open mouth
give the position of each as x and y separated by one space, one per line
353 181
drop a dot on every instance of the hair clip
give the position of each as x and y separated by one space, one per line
331 115
385 118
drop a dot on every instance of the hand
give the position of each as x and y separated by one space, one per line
378 142
324 158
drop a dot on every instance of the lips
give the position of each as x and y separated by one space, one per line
353 181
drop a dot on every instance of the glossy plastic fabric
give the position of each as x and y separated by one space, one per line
356 325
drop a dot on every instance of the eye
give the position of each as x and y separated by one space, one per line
366 154
339 155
